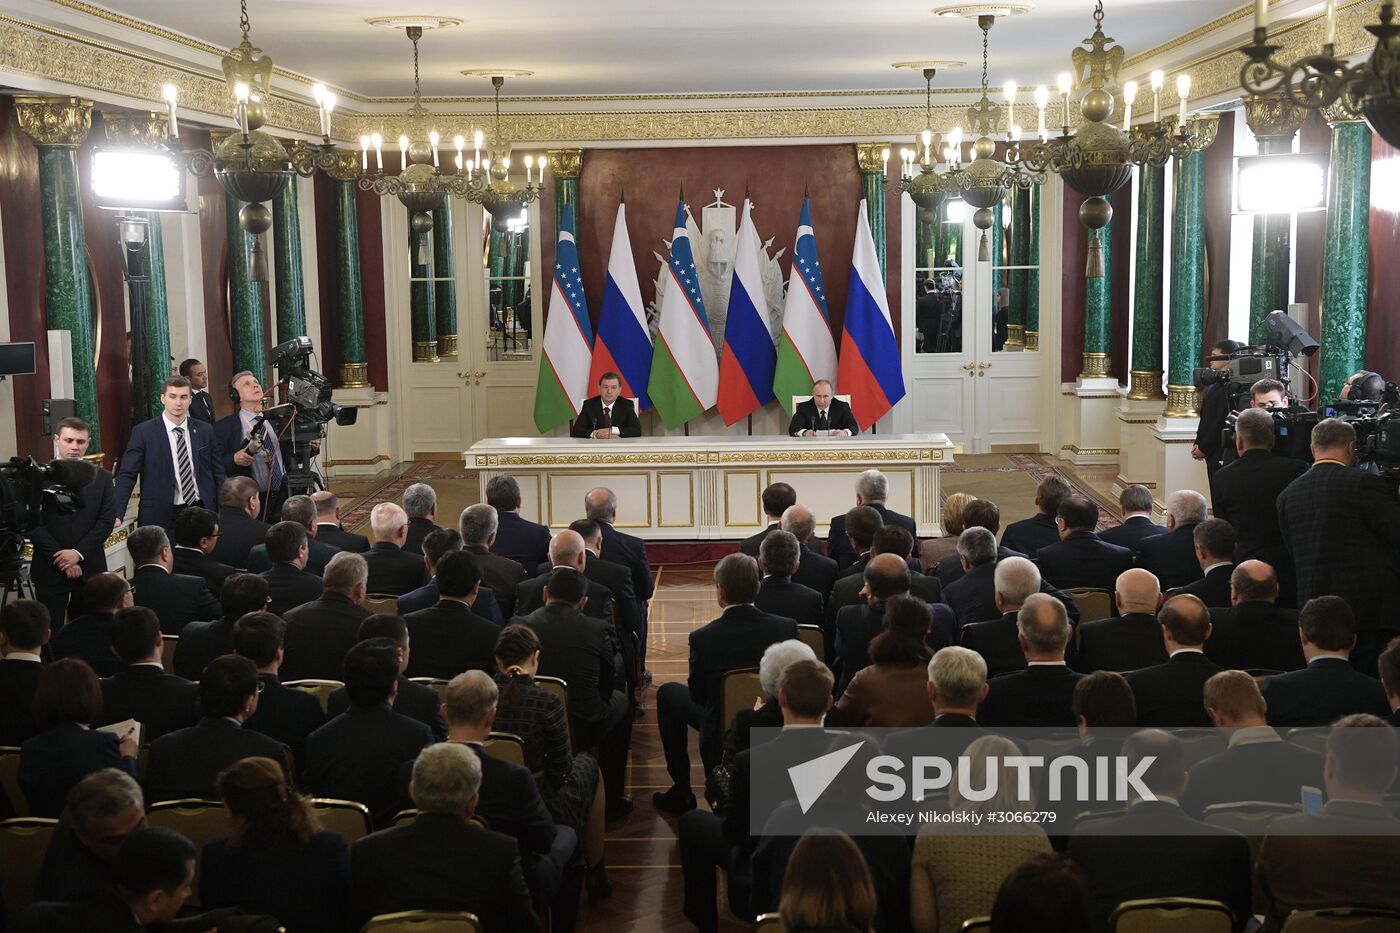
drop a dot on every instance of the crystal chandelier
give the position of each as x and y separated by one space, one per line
928 189
487 180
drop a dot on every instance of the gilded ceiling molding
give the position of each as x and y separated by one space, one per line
565 163
54 121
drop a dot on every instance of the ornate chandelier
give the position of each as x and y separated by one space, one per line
928 189
490 185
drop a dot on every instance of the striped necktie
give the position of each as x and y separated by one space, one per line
821 421
188 491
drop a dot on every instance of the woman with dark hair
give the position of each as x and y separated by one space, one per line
67 749
893 690
827 886
277 861
1045 893
572 786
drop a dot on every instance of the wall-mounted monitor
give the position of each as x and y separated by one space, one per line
16 359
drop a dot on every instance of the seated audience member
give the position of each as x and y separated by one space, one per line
420 505
872 489
450 637
566 549
955 878
891 691
858 527
1042 694
66 749
885 576
942 629
1029 535
1328 688
288 583
516 537
1015 580
284 714
977 553
1215 550
893 540
1135 503
144 690
239 528
302 510
436 546
979 513
442 860
1169 694
778 559
328 529
1389 664
392 570
174 598
1081 557
736 640
1044 893
196 535
933 550
827 885
1156 849
150 881
89 636
775 660
320 632
202 642
416 701
278 861
1171 557
815 570
957 685
103 809
1256 764
1104 711
776 499
356 756
1254 632
617 579
1347 853
24 630
1132 640
187 762
478 525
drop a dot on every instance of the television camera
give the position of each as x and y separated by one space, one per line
1377 431
25 489
1287 340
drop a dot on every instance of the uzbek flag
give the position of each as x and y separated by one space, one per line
624 343
748 359
869 369
806 349
684 373
568 338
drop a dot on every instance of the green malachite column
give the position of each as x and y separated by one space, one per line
354 370
872 180
445 289
1020 253
245 297
1274 120
565 165
998 237
1345 263
58 125
1033 279
1188 290
1145 373
1098 309
286 257
157 314
422 297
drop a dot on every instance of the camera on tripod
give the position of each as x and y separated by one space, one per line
25 488
1248 365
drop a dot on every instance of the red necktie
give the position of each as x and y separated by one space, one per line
607 418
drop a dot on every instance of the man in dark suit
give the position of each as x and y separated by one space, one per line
521 540
188 762
607 415
196 536
1342 527
1215 551
176 599
891 539
202 642
1156 849
253 449
441 860
1081 557
436 546
973 595
567 549
320 633
328 528
284 714
777 498
627 616
143 690
418 702
885 577
858 528
998 640
600 505
1171 557
1136 504
103 810
69 549
872 489
175 458
201 405
1328 688
420 502
957 685
356 756
302 510
1389 668
450 637
1029 535
1169 694
392 570
979 513
240 529
288 583
89 636
1254 633
823 415
1131 641
735 640
815 570
1043 693
777 594
1215 408
478 527
24 630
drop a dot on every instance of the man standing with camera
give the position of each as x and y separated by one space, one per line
1215 408
69 549
253 451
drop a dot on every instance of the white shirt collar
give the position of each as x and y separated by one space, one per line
1220 563
157 564
1186 651
24 656
1045 664
172 425
1340 655
147 664
1253 735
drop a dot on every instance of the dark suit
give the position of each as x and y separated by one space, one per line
1040 695
290 587
232 434
1082 558
160 701
18 681
780 596
972 596
441 862
577 648
838 546
418 702
753 543
1255 635
394 571
337 537
1213 589
806 418
1271 770
501 574
318 555
1171 557
174 598
449 639
856 626
1122 644
949 569
418 529
88 638
318 635
630 552
192 562
238 535
1029 535
201 406
1215 408
1173 694
1131 533
590 418
104 911
1321 693
622 604
356 756
427 596
188 762
530 595
523 541
1245 493
148 458
200 643
997 643
816 571
287 716
84 531
305 886
53 761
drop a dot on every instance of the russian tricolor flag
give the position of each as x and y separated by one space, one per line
869 367
749 358
623 344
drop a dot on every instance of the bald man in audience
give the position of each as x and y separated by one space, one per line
1254 633
1043 693
1169 694
392 570
328 528
1132 640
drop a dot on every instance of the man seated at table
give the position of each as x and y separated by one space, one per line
823 415
607 415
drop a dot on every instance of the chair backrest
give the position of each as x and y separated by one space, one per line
976 923
1247 817
199 821
1049 748
560 688
1313 737
1172 914
23 843
506 746
1199 744
1093 603
404 816
799 399
347 817
768 923
1342 920
423 921
167 651
738 690
437 683
320 689
813 638
381 602
1261 674
9 779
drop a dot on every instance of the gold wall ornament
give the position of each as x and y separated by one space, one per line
1273 116
346 166
1339 113
124 128
1015 336
1145 384
1096 366
1032 340
1182 402
447 346
354 375
54 121
869 156
425 351
565 163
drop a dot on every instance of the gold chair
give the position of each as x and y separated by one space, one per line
1199 744
347 817
1050 748
768 923
738 690
1170 915
423 921
1251 819
1313 737
973 924
1342 920
437 683
199 821
1093 603
560 688
381 603
813 638
506 746
1261 674
23 843
167 651
9 779
320 689
404 816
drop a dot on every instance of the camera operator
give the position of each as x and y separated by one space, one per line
1268 393
1215 406
1364 386
236 433
69 549
1342 528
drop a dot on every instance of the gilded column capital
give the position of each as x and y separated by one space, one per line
1095 366
1338 113
54 121
565 163
346 166
135 129
1273 115
1182 402
869 156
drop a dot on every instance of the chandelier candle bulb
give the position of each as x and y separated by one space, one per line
170 93
1183 90
378 142
1261 14
543 160
240 94
364 154
1157 80
885 158
1042 100
1065 83
433 140
403 153
331 101
1129 95
1329 38
529 167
